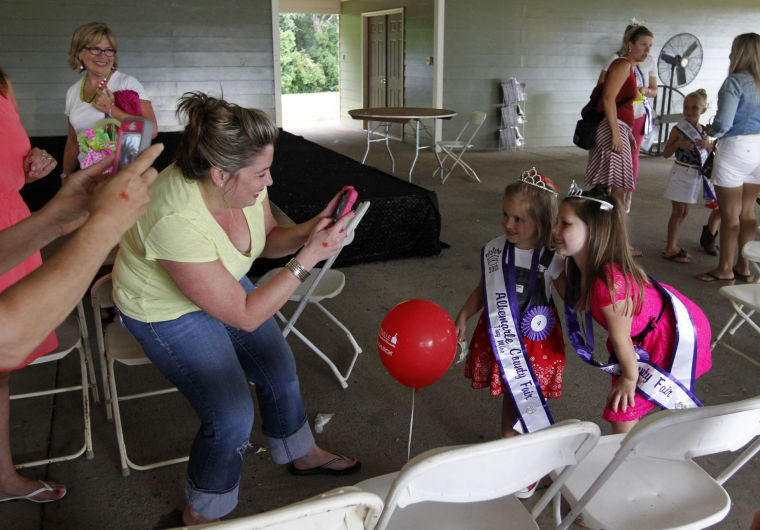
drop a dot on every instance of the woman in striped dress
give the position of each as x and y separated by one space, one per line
610 162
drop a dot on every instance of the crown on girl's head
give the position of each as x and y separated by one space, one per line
533 178
576 192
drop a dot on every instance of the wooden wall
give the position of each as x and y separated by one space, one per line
221 47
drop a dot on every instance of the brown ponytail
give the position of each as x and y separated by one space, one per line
220 134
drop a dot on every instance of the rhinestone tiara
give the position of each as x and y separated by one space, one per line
533 178
576 192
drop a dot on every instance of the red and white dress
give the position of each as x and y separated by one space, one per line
547 356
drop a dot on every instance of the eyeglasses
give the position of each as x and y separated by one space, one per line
110 52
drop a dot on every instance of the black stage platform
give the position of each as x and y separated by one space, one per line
402 222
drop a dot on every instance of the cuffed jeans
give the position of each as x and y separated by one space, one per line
211 363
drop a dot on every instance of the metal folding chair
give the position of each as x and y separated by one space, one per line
648 478
324 283
458 147
472 486
345 508
745 301
72 335
115 344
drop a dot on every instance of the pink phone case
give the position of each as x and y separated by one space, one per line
346 202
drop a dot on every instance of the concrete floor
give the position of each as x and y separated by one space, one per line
371 416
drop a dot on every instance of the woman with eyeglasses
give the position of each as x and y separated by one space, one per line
102 92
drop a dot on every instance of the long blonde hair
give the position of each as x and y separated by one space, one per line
745 57
608 250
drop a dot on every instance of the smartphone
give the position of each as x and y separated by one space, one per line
346 201
135 135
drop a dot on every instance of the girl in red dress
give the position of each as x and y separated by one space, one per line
529 207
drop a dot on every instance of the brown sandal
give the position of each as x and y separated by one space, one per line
679 257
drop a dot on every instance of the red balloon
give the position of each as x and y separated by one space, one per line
417 342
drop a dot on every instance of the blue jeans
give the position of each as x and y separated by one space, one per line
211 364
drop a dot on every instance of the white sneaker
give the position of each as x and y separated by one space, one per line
527 492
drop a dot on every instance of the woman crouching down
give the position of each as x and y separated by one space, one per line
180 284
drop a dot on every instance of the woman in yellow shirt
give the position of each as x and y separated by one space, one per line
181 287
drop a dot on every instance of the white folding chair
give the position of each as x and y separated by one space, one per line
647 478
115 344
72 335
324 283
745 301
342 508
457 148
457 480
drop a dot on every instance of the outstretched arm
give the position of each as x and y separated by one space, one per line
36 304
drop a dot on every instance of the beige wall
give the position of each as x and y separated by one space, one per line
418 46
555 46
218 47
557 49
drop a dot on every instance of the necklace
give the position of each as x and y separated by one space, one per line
102 83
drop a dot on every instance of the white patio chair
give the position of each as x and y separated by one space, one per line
342 508
648 478
745 301
456 481
72 335
115 344
322 284
458 147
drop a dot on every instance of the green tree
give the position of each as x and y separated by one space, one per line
308 53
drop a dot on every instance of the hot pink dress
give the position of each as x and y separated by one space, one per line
15 146
659 342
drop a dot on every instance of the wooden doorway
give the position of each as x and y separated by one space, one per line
385 61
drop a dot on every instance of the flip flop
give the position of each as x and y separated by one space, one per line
325 470
746 278
679 257
30 496
710 277
637 252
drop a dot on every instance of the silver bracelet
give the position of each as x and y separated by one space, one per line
297 269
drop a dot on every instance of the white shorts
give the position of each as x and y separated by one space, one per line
684 184
737 161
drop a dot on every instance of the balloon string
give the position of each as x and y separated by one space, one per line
411 423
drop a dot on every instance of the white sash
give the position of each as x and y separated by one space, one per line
649 122
506 339
670 389
692 133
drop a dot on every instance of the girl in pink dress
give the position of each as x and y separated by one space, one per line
18 165
650 367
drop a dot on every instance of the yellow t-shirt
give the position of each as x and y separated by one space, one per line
177 227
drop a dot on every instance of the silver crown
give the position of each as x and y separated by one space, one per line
533 178
576 192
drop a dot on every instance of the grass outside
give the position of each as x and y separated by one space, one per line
310 108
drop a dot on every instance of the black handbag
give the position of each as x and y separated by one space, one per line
707 167
585 133
592 115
